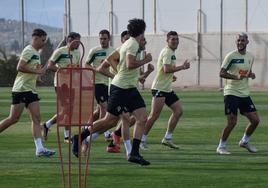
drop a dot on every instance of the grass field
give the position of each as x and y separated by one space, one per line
195 165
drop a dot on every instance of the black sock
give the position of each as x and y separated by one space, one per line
135 147
118 132
85 133
111 144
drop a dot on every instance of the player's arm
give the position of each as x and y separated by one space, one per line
224 74
167 68
52 66
113 59
104 69
132 63
143 76
22 67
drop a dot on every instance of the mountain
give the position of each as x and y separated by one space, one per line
10 34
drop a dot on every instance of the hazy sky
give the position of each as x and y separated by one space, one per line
48 12
179 14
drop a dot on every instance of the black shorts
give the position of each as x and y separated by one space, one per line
26 97
232 103
124 100
170 97
101 93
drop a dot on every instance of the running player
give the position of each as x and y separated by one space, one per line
24 93
236 69
61 59
94 59
162 91
123 88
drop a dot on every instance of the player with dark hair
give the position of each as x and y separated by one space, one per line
237 69
61 59
123 88
95 57
162 91
24 93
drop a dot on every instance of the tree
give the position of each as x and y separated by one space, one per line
46 52
8 70
15 46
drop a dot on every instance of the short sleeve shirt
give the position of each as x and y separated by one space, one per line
27 81
237 64
61 58
95 57
163 80
127 78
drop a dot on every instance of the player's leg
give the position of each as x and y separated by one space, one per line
231 104
141 118
248 109
14 116
156 108
46 126
101 95
176 108
99 126
34 112
126 123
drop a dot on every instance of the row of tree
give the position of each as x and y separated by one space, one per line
8 64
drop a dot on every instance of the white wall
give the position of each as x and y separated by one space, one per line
210 64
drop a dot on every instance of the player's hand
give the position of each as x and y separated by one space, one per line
174 78
186 64
148 57
150 67
252 75
141 79
41 69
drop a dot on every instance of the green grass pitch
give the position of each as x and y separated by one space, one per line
194 165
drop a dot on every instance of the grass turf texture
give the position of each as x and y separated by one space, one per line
195 164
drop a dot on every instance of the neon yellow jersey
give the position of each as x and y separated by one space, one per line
163 80
61 58
237 64
127 78
95 57
27 81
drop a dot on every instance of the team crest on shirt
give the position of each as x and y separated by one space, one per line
118 108
173 57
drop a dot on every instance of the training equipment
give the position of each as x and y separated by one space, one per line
75 102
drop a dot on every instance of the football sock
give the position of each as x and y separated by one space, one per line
144 138
245 138
38 144
118 132
94 136
221 144
49 123
128 147
107 134
168 135
66 133
85 134
135 147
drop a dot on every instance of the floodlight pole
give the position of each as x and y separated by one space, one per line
199 30
154 16
246 15
111 21
221 33
22 25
